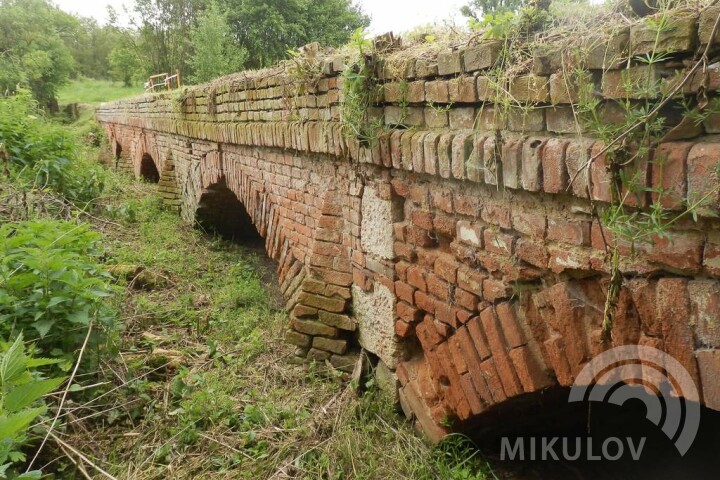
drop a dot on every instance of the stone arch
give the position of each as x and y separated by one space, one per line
220 211
148 169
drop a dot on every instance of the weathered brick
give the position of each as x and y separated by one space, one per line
703 178
530 89
437 91
463 90
330 345
311 327
343 322
482 56
555 175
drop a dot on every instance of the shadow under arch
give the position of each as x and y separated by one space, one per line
148 169
118 150
219 211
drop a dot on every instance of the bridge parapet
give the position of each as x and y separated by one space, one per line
467 226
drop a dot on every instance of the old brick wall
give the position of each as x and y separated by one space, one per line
460 247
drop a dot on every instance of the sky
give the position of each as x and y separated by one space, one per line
387 15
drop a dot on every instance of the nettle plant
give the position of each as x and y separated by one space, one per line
52 284
22 387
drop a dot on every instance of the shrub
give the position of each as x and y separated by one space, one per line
42 152
52 284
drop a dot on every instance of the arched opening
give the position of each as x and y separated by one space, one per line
148 169
511 433
219 211
118 150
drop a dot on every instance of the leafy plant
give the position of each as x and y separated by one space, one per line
43 153
52 284
21 390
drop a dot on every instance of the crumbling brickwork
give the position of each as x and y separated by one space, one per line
460 246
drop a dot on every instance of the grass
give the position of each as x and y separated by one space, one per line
92 91
200 384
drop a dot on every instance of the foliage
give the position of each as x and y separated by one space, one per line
214 52
21 390
268 29
125 65
33 51
44 153
477 9
52 284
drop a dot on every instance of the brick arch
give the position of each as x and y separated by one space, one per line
148 169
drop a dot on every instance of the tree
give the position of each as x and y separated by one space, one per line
476 9
164 29
268 28
125 65
33 48
215 51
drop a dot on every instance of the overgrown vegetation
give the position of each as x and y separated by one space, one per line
196 383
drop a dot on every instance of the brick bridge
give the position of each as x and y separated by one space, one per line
456 249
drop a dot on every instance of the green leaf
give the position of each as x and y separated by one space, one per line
43 326
12 424
24 395
35 474
13 363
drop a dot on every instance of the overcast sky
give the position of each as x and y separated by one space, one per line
395 15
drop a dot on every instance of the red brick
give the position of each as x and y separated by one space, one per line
466 300
529 222
492 377
682 251
532 252
473 362
673 310
438 287
401 270
403 291
600 175
404 329
446 313
702 177
404 251
408 313
471 395
531 171
555 175
509 325
442 199
427 258
470 280
445 225
512 152
531 375
709 364
421 237
497 215
669 171
562 259
498 242
444 155
446 267
458 356
427 334
422 219
569 231
424 301
416 278
475 329
463 90
443 329
462 148
467 205
471 234
711 256
555 348
577 154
